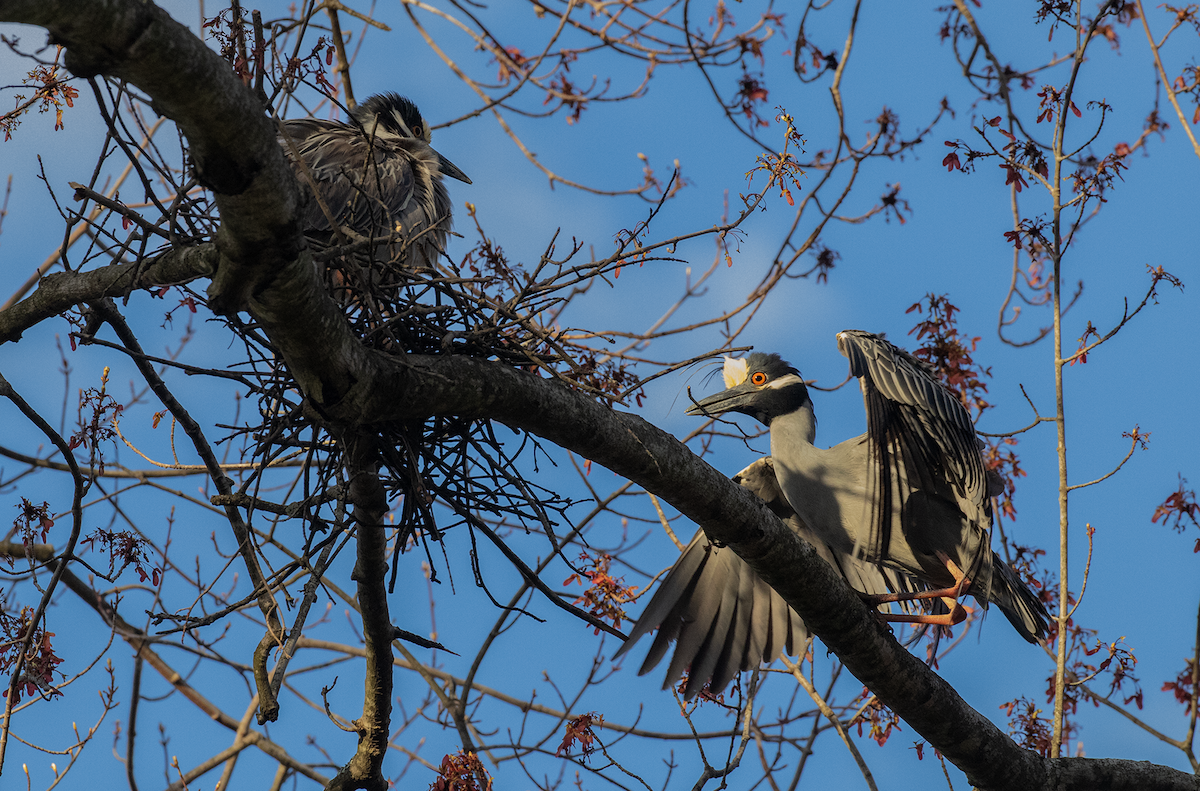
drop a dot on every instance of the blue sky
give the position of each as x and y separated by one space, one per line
952 243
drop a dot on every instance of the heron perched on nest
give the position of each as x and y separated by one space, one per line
373 184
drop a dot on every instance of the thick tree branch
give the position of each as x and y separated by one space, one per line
365 769
63 290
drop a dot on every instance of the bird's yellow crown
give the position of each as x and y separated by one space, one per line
735 371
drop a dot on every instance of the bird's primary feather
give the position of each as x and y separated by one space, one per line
920 437
722 616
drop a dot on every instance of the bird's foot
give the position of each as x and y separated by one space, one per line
956 616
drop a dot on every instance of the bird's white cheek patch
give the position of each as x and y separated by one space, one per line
734 371
403 126
785 381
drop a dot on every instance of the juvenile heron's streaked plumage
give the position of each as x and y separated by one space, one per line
378 178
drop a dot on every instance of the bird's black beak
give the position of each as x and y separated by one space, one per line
448 168
735 399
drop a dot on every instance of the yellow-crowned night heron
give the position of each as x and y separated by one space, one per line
377 178
723 616
913 493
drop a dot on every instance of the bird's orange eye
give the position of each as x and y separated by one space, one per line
758 378
416 131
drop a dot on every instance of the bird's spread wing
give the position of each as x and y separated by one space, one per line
920 437
723 616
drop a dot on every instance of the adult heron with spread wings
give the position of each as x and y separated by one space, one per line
912 496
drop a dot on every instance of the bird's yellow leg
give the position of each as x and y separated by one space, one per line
950 595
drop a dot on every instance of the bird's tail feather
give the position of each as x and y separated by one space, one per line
1020 605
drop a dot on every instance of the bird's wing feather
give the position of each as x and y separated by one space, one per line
703 609
708 654
760 623
737 653
362 182
679 582
920 437
723 617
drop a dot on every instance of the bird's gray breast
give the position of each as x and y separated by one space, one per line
825 487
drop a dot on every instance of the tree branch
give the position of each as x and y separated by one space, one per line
365 769
64 290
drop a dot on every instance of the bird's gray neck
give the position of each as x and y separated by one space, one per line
794 431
